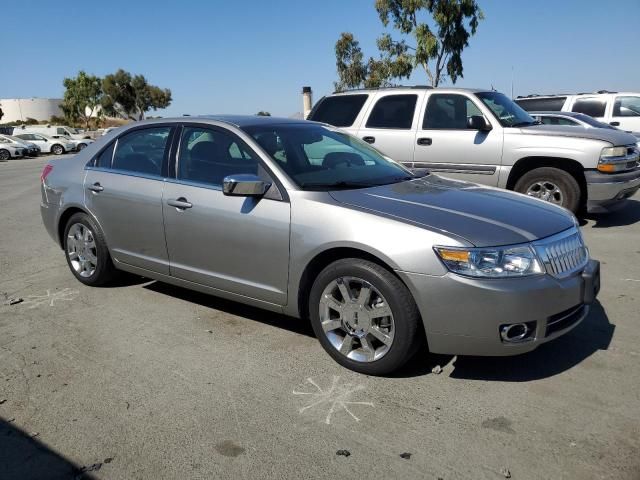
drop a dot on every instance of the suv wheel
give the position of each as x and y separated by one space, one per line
364 316
552 185
57 149
86 251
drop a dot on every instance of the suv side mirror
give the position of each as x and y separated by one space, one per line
244 185
478 122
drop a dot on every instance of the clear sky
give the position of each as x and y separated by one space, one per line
228 56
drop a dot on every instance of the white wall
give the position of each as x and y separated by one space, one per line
42 109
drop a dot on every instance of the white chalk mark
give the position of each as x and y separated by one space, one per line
336 397
631 280
33 301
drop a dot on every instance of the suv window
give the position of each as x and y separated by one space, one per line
339 111
589 106
207 156
448 111
393 111
626 107
142 151
553 104
558 121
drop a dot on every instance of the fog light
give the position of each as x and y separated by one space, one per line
517 332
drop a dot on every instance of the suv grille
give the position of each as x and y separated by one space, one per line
563 254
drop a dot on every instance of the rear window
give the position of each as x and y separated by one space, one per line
589 106
541 104
339 111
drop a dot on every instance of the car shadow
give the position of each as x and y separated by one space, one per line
23 456
627 215
125 279
552 358
273 319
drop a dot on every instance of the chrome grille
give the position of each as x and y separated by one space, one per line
563 254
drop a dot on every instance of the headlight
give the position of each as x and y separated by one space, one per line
613 152
492 262
617 159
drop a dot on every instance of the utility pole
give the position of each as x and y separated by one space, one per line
511 82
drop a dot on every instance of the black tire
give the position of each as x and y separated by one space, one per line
407 336
104 271
4 155
568 190
82 146
57 149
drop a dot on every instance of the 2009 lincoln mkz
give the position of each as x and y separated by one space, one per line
301 218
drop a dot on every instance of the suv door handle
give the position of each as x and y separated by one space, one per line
614 124
424 141
369 139
180 203
96 187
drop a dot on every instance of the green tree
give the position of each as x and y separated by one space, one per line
132 97
262 113
82 98
439 30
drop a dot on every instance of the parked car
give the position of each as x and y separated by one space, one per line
9 150
618 109
52 130
31 149
484 137
375 256
57 146
77 144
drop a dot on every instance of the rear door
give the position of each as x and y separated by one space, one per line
391 123
445 145
123 190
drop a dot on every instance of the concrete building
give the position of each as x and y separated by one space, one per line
19 109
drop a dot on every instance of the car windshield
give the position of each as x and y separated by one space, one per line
72 130
319 158
508 113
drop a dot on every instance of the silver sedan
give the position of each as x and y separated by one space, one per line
300 218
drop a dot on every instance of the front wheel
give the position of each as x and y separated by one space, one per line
552 185
82 146
4 155
364 316
57 149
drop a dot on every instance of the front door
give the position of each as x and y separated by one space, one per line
445 145
123 190
626 113
235 244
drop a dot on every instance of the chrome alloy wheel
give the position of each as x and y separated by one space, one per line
547 191
81 249
356 319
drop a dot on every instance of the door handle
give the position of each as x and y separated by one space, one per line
369 139
424 141
180 203
614 124
96 187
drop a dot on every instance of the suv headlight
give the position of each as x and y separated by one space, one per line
617 159
491 262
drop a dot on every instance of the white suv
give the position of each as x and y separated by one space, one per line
620 109
57 146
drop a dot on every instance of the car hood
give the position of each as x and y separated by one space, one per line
615 137
483 216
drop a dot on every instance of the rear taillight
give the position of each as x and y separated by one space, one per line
45 171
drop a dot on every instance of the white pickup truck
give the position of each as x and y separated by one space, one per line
482 136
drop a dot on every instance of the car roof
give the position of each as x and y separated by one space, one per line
239 121
411 88
558 114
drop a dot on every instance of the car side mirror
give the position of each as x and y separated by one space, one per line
244 185
478 122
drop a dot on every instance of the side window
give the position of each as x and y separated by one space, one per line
207 156
60 131
626 107
393 111
553 104
104 159
142 151
449 112
558 121
589 106
339 111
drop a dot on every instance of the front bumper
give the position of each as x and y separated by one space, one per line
463 316
607 192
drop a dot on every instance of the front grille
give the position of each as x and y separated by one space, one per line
565 319
563 254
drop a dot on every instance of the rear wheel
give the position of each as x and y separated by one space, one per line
4 155
552 185
57 149
364 316
86 251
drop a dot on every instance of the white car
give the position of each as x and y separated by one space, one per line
57 146
78 144
51 130
619 109
31 149
10 150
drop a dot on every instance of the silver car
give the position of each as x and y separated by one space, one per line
300 218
